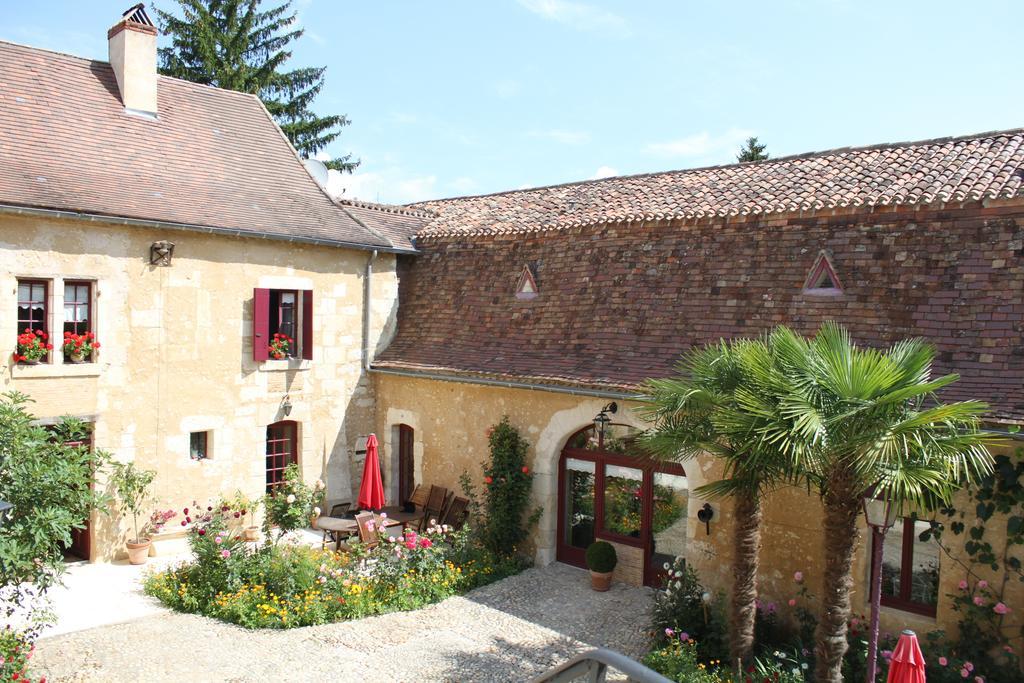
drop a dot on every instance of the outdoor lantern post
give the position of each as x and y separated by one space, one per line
880 515
602 420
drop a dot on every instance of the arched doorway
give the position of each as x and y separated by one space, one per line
609 491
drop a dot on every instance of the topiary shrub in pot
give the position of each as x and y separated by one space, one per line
601 561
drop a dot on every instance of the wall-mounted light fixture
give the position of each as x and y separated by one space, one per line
160 253
705 514
601 421
286 405
4 507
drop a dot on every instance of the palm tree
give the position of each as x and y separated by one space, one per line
852 420
704 410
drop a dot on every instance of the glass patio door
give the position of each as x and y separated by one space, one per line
577 510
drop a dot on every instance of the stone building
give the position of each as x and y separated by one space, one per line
547 304
176 223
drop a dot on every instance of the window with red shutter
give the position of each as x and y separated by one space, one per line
283 311
261 324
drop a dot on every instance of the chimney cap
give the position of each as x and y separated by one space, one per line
137 14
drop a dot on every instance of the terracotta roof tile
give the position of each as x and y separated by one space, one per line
976 167
213 158
396 223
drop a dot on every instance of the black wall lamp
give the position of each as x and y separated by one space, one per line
286 405
601 421
705 514
160 253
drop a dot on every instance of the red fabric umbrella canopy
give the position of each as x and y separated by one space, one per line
371 491
907 663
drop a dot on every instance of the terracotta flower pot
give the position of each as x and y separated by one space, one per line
251 533
77 357
601 581
313 521
138 551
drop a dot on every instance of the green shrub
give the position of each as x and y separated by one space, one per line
284 586
685 607
132 484
292 504
680 661
507 479
601 557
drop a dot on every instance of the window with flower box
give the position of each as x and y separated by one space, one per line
910 568
287 313
32 315
79 343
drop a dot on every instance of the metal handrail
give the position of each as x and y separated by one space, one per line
594 664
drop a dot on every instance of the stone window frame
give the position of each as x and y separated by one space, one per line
54 364
275 474
262 328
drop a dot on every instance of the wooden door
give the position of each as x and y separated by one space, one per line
406 471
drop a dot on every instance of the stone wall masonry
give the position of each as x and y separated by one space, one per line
176 354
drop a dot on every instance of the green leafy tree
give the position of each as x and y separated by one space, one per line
49 483
706 408
752 151
132 485
852 420
237 45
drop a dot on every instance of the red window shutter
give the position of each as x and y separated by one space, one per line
260 324
307 324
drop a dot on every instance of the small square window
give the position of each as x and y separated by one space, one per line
199 445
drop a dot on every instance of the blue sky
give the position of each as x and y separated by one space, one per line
467 97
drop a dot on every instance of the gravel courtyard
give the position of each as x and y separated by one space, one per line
508 631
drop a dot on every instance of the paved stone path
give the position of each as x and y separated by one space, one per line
509 631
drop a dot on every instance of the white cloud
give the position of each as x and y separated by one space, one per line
604 172
388 186
702 146
565 137
579 16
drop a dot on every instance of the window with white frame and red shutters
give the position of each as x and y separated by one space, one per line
279 315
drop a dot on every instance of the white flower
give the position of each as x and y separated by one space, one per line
290 499
796 672
803 666
679 584
667 566
316 511
319 484
679 575
433 522
706 597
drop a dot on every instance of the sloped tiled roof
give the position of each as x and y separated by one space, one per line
975 167
396 223
212 159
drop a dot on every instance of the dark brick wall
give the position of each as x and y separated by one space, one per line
619 303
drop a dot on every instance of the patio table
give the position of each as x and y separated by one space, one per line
405 518
342 526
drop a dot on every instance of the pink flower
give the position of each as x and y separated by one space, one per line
887 654
202 532
854 621
978 600
968 666
1008 648
943 661
669 632
792 602
684 636
425 543
964 673
962 585
798 576
225 553
1000 608
979 679
983 584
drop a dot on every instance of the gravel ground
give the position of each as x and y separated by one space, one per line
512 630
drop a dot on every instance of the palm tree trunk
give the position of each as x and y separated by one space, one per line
746 550
842 507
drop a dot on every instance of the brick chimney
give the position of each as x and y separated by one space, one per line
132 48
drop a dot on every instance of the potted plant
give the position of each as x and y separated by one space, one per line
246 508
32 346
280 347
131 484
601 561
79 347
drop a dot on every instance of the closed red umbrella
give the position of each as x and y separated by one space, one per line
907 662
371 491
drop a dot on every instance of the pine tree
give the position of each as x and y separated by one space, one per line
752 151
234 44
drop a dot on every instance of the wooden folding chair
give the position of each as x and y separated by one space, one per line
456 514
419 496
337 510
434 506
369 534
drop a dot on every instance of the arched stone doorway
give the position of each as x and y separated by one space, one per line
607 490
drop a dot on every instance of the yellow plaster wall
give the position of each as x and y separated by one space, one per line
176 353
450 420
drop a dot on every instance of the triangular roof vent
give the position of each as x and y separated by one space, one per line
526 288
823 279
